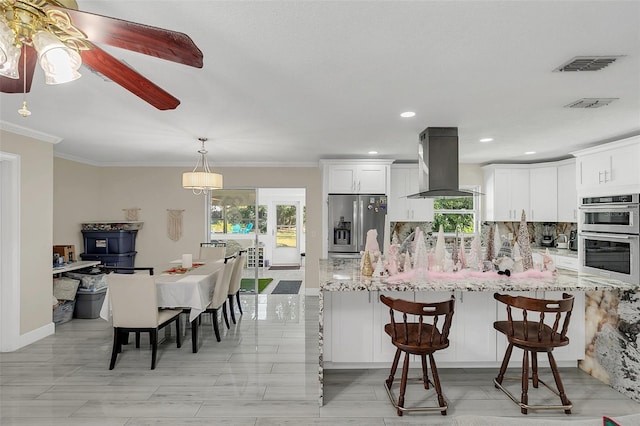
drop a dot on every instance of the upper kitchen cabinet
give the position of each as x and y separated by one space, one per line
567 192
506 192
543 194
609 169
404 182
356 177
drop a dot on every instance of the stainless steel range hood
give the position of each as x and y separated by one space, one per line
438 164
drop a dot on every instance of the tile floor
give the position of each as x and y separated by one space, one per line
264 372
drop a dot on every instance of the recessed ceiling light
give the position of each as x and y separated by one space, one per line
408 114
529 152
486 139
373 152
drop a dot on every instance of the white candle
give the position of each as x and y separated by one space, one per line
187 261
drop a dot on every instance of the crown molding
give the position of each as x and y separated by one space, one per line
24 131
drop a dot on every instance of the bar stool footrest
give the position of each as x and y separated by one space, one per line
528 406
394 399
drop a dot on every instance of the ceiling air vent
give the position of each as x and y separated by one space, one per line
590 103
587 63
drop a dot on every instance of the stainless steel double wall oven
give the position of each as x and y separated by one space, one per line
609 237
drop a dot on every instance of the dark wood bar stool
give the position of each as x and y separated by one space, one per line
533 336
417 338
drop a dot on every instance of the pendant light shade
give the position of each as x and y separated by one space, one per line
60 63
201 179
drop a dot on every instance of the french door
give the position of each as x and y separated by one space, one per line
285 229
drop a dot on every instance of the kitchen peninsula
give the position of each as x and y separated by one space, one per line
603 335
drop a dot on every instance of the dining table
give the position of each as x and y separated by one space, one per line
183 288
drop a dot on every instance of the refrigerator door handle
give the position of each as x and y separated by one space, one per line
356 229
361 236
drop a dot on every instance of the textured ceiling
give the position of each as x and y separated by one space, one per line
294 82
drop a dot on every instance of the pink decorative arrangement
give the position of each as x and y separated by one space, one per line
500 260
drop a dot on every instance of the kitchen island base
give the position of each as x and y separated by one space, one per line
603 333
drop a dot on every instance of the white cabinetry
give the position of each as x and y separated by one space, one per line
506 193
609 169
567 193
344 178
404 181
351 331
354 333
567 262
543 194
545 191
472 337
383 349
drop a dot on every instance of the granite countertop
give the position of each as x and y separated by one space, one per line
344 275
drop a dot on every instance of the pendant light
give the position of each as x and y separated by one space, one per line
201 179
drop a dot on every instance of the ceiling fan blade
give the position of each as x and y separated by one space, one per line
11 85
115 70
145 39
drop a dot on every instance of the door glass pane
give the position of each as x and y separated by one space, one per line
286 232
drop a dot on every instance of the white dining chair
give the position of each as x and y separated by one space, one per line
134 308
219 295
211 253
234 284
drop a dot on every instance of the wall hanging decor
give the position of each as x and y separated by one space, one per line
174 224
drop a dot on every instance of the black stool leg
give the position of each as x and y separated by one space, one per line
224 314
238 300
214 320
231 309
114 350
153 336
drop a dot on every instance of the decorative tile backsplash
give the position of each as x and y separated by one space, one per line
405 230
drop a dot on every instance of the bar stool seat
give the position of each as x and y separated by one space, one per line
533 336
417 338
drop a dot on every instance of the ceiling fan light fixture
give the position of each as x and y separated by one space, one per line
9 52
59 62
201 179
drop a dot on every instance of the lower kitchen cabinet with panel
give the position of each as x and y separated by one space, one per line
354 335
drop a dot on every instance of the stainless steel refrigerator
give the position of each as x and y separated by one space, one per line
351 216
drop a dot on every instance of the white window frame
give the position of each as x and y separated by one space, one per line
475 211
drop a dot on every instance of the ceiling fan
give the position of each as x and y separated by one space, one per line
44 30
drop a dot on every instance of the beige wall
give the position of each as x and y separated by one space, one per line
76 193
36 221
87 193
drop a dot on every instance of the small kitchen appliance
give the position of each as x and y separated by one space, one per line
563 242
573 240
548 232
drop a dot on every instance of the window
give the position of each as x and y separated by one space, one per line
237 219
456 214
234 212
286 226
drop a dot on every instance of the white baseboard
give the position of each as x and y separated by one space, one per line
37 334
